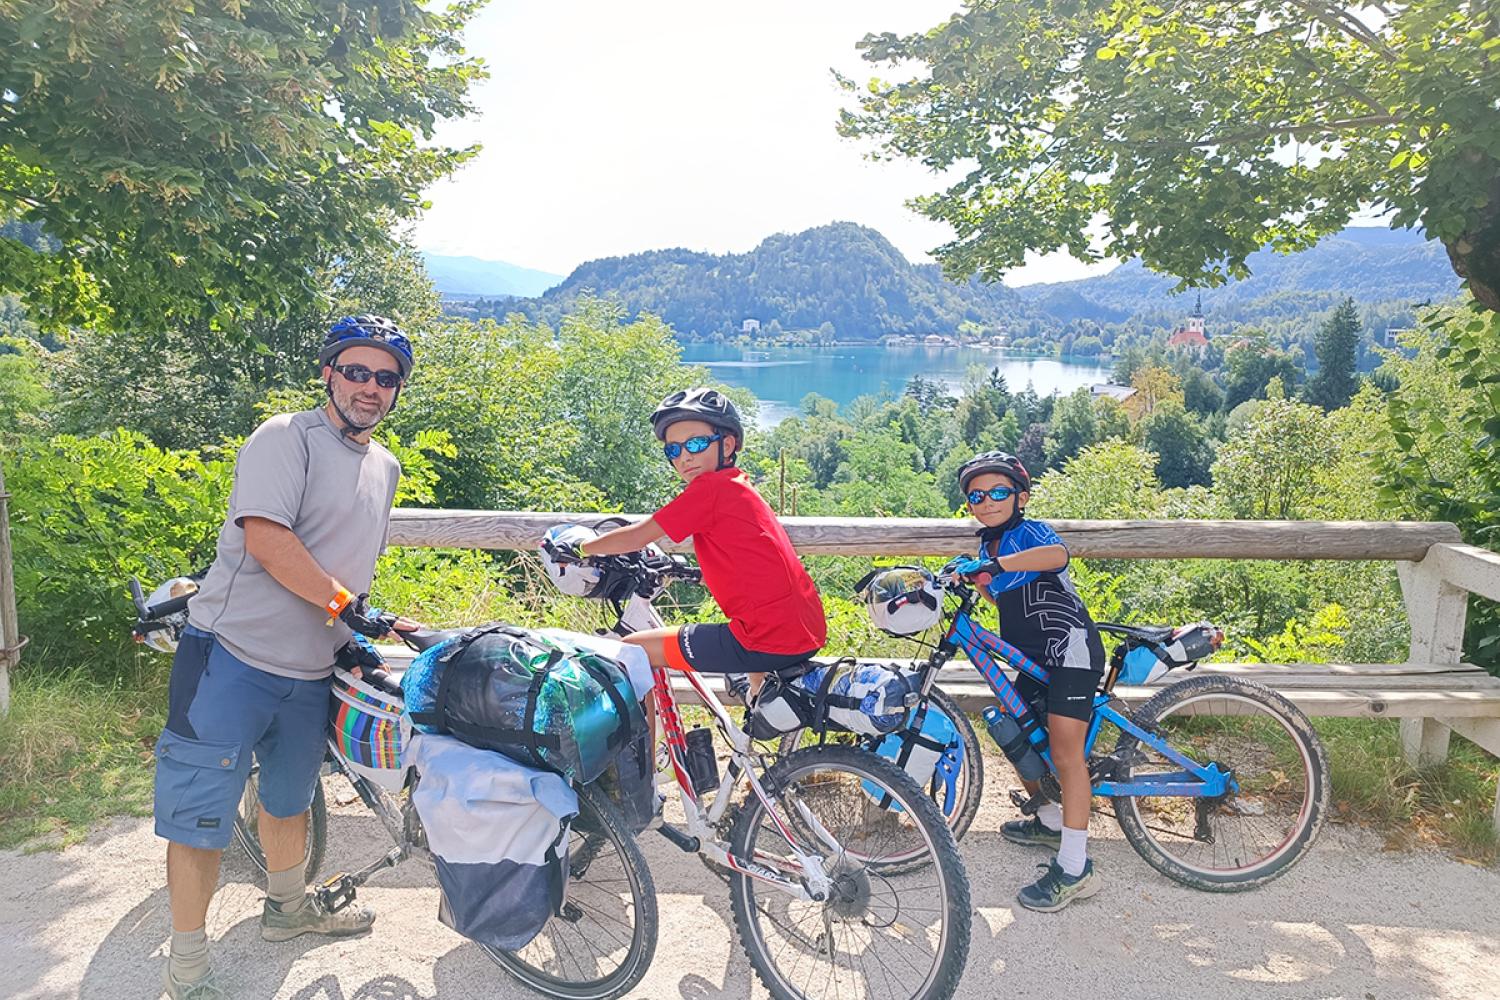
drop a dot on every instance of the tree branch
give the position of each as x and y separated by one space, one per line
1267 132
1345 24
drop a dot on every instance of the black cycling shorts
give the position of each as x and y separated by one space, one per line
713 649
1069 694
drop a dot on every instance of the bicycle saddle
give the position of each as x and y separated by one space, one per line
1143 633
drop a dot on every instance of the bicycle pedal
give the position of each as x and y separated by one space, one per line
571 913
1026 804
336 892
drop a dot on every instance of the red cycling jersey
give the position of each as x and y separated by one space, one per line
748 563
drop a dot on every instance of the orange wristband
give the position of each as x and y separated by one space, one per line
338 603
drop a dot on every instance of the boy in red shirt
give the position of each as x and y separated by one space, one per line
749 566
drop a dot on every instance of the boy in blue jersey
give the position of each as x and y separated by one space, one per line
1042 616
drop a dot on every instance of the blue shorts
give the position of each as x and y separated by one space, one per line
220 711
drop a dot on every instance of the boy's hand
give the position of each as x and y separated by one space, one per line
564 551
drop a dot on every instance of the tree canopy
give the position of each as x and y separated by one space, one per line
1198 130
196 162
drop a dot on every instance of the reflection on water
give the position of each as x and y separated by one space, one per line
781 377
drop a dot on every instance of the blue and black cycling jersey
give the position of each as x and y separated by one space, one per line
1041 614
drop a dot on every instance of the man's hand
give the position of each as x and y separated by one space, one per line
367 620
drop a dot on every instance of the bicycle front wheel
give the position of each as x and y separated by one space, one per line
955 786
1251 835
602 943
247 826
887 930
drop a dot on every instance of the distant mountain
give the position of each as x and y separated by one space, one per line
842 274
851 278
471 277
1374 266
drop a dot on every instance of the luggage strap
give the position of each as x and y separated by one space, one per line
533 741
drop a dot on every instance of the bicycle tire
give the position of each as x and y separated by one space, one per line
970 785
247 826
863 889
540 964
1167 854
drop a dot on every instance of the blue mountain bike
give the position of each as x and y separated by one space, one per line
1218 783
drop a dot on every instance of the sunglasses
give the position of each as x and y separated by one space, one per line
994 493
385 378
693 445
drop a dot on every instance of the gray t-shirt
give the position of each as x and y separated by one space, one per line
336 496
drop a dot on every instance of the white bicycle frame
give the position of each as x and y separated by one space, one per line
807 880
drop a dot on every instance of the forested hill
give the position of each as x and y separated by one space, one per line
1374 266
852 279
842 274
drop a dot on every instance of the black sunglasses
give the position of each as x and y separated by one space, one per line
385 378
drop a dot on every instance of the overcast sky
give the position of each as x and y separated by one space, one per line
611 128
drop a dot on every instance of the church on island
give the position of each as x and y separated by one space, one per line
1192 335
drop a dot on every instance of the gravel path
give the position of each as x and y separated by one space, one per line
1350 922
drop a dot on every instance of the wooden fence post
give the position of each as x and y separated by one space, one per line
1436 610
10 634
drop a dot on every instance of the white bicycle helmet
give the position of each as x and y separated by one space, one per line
577 579
164 640
903 600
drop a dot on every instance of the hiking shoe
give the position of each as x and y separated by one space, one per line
311 918
1054 889
206 988
1031 832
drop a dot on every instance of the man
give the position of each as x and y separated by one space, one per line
307 519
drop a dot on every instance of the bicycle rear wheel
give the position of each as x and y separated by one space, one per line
247 826
886 930
602 943
1247 837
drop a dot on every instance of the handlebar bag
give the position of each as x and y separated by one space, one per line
498 832
535 700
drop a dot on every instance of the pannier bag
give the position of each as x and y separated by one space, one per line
498 832
867 698
369 730
535 699
1145 662
930 749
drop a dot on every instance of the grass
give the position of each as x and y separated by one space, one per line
75 751
1447 806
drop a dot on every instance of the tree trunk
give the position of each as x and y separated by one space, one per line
1475 254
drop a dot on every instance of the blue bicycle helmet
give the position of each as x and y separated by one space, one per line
367 331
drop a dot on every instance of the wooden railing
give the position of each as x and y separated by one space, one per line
1437 572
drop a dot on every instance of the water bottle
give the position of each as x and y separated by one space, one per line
1013 742
702 765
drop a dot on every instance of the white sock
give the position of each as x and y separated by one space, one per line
1073 854
188 955
1050 813
287 888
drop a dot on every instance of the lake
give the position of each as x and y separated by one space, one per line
781 376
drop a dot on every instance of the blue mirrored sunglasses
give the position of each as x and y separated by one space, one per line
694 446
994 493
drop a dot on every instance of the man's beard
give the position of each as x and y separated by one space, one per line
364 415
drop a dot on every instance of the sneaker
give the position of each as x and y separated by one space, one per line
310 918
206 988
1031 832
1054 889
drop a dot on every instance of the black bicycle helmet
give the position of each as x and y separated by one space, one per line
708 405
367 331
1002 462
